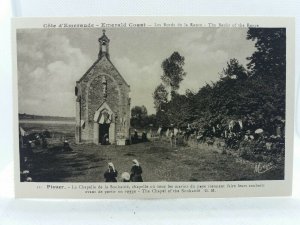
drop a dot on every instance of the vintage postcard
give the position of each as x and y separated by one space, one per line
153 107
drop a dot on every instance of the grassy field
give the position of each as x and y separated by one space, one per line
160 161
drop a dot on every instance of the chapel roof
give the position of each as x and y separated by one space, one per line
102 39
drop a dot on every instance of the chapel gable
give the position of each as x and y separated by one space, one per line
102 103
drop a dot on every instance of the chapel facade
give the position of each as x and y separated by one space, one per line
102 102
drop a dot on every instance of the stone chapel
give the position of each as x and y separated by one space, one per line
102 103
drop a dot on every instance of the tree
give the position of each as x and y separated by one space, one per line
152 121
173 72
139 116
160 97
234 70
162 118
268 63
139 112
181 109
269 59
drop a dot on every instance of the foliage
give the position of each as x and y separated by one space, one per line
269 59
234 70
141 119
160 97
173 72
162 118
255 93
139 112
139 116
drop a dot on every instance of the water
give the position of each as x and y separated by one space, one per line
46 122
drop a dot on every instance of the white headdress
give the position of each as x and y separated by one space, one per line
112 166
136 162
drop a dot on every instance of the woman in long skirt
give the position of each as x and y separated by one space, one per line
111 173
136 172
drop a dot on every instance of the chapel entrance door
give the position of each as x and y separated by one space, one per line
104 125
104 133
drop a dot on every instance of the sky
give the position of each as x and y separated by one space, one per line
50 61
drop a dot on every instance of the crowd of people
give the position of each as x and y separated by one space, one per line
257 135
27 143
262 136
135 138
135 175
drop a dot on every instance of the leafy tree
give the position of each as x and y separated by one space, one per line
139 112
269 59
152 120
256 93
139 116
160 97
162 118
234 70
268 63
173 72
181 109
189 93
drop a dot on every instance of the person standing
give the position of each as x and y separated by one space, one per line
66 146
144 136
111 173
105 139
172 139
136 172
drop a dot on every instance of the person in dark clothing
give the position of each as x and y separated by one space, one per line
105 140
135 138
136 172
44 142
111 173
28 149
66 147
144 136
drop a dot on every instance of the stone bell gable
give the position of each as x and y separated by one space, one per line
102 103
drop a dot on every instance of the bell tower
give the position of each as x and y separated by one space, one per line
104 46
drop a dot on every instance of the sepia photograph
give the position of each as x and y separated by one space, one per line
151 104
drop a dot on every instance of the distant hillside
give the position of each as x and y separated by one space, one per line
24 116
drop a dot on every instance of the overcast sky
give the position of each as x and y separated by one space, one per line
50 61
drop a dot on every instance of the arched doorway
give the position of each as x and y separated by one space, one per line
104 134
104 125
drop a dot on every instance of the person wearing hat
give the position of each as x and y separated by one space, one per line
136 172
111 173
